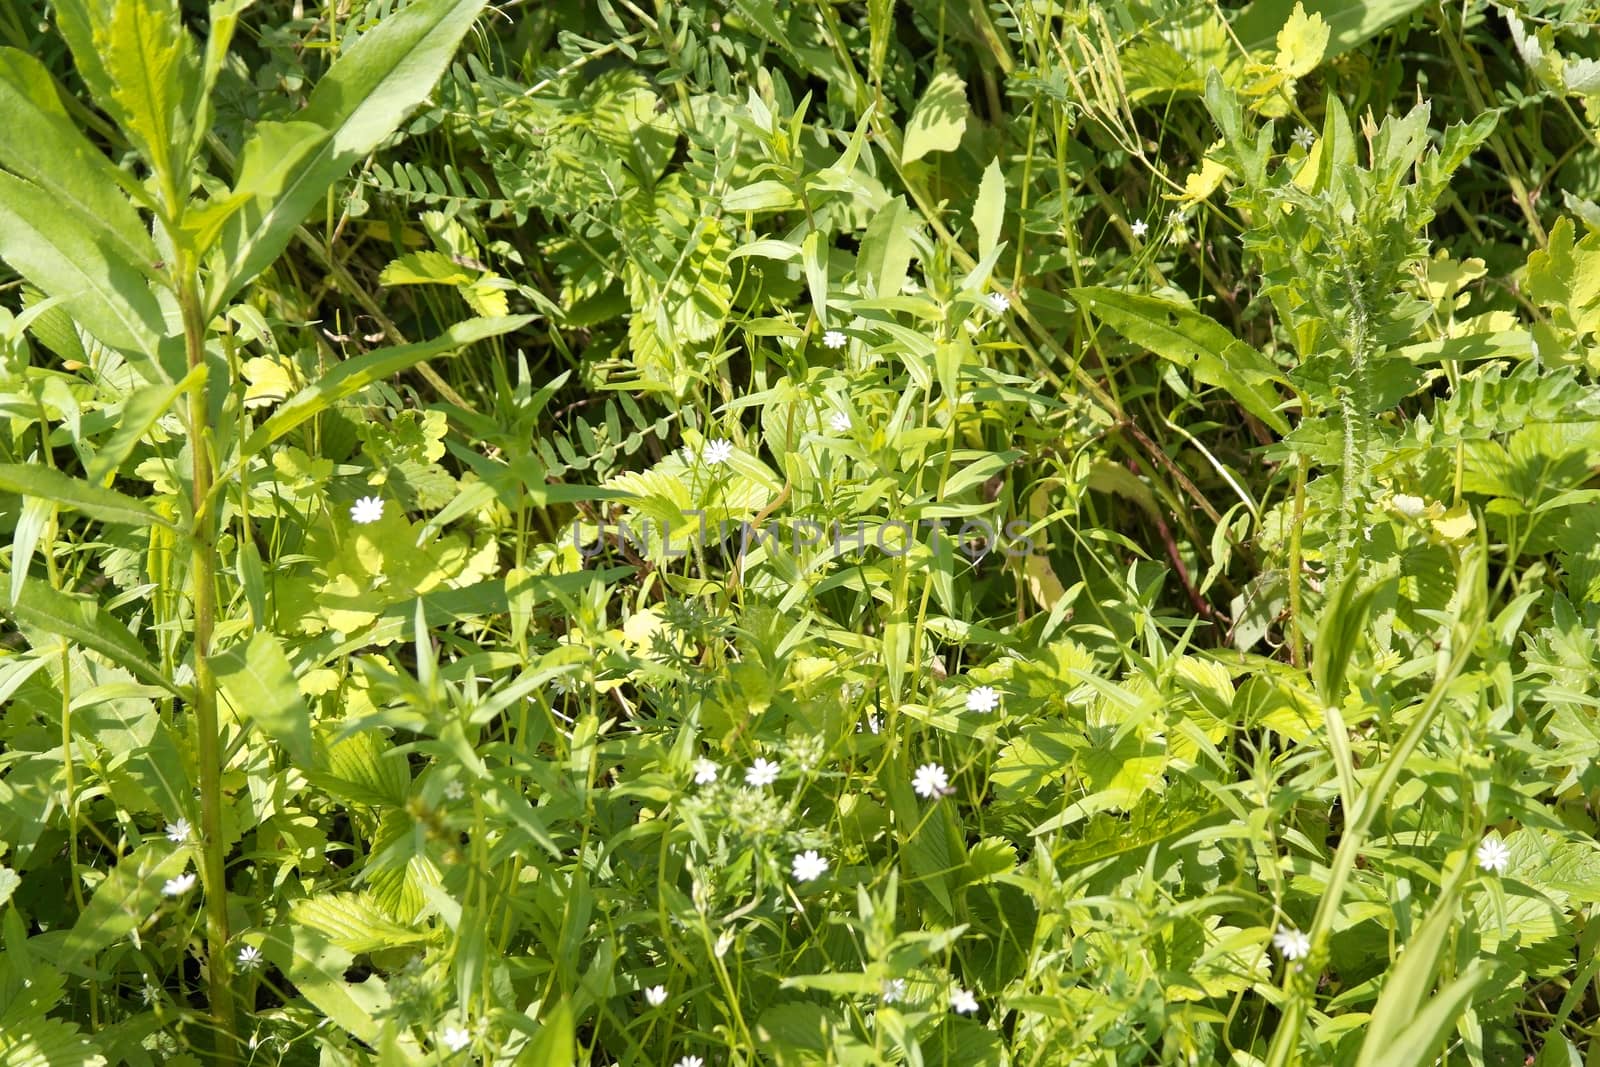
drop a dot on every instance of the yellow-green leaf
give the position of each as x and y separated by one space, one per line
939 119
1301 43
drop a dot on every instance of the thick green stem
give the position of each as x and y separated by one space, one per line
203 575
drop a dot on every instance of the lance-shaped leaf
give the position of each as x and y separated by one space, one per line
65 491
360 101
356 374
72 260
79 619
1193 340
259 685
149 58
122 903
43 146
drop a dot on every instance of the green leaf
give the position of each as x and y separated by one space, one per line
1301 43
356 374
1193 340
139 413
123 902
989 212
259 684
555 1045
65 491
886 249
43 146
149 58
353 922
362 99
78 619
72 260
1350 22
939 120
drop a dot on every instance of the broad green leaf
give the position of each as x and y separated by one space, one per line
424 268
259 685
139 413
989 212
123 901
939 120
40 1041
362 99
1350 22
78 619
886 249
149 58
356 374
65 491
72 260
759 196
43 146
1301 43
1193 340
353 922
317 969
555 1043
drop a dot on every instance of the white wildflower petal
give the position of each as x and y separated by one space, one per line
455 791
984 698
999 302
178 832
455 1038
1305 137
762 772
1140 227
705 772
1494 855
930 781
834 339
690 1061
1293 944
1408 505
808 866
839 422
718 452
894 989
366 510
177 887
962 1002
249 958
656 995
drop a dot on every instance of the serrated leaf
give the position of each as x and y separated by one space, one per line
351 921
1301 43
939 120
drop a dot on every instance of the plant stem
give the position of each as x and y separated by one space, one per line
203 575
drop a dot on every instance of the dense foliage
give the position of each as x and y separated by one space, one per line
737 532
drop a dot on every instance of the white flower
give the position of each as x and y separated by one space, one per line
930 781
178 832
249 958
1140 227
455 1038
894 989
983 698
808 865
999 302
656 995
762 772
177 887
150 992
367 509
834 339
1494 855
1408 505
840 422
962 1002
690 1061
455 791
1305 137
705 772
718 451
1292 943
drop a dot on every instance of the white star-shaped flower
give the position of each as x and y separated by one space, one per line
1140 227
367 509
930 781
705 772
894 989
718 451
834 339
455 1038
1293 944
983 698
962 1002
762 772
839 422
1494 855
249 958
455 791
1305 137
999 303
808 866
656 995
178 832
177 887
690 1061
